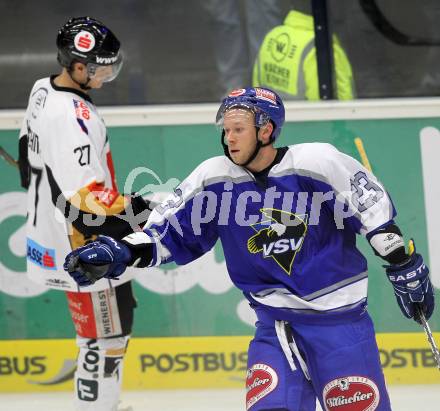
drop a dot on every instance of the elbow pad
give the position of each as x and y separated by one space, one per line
388 244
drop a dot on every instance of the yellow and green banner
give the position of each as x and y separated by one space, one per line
187 362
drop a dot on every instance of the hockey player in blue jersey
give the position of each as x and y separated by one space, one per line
287 219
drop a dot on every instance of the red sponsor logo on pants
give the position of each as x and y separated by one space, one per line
260 381
352 393
81 310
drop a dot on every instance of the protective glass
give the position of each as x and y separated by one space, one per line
102 73
245 114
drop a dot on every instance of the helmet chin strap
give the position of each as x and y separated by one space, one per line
251 158
83 86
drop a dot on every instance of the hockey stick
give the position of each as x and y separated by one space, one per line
8 158
419 312
428 333
384 26
360 146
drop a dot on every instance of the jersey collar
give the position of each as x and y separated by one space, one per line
69 89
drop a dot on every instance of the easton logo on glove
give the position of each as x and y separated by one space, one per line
409 275
412 286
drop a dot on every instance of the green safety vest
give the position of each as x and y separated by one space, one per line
286 62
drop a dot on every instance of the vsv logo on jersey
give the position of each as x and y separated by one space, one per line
39 255
280 236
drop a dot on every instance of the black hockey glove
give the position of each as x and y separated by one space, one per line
412 285
140 204
141 209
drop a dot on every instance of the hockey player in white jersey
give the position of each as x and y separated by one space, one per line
287 219
66 166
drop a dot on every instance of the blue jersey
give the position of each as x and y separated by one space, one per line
289 239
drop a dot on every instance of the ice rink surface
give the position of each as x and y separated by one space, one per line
403 397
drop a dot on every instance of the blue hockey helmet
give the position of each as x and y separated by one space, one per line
265 103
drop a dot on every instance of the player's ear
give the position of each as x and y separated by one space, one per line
265 132
79 67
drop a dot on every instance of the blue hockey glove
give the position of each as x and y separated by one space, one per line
412 285
104 257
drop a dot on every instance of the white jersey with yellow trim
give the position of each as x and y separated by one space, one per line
71 175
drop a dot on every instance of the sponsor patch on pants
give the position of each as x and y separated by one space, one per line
260 381
87 389
352 393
